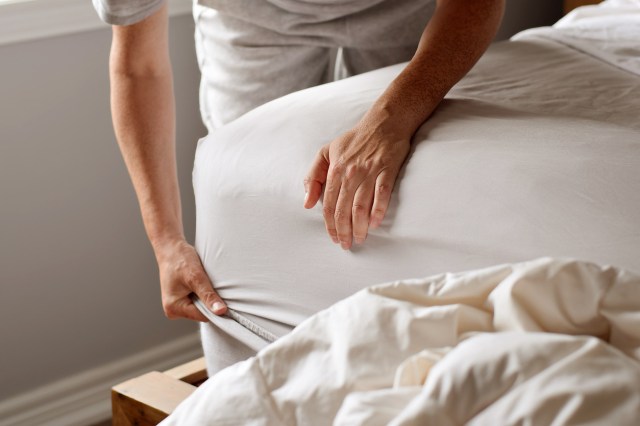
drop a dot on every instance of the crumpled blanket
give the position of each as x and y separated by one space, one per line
544 342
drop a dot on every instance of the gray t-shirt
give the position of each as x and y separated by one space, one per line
125 12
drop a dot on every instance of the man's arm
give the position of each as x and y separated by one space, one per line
359 169
142 106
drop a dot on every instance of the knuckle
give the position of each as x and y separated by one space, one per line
352 170
321 154
191 276
378 212
386 160
338 168
340 216
348 134
383 189
359 210
195 279
333 186
328 211
169 311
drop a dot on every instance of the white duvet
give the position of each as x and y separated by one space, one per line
545 342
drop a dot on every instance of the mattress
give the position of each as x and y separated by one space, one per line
534 153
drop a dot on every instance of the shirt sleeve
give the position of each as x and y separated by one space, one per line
125 12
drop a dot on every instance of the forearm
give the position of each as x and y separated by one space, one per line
143 110
144 121
455 38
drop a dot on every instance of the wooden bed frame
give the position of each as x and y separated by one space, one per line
146 400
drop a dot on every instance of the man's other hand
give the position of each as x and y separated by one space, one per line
358 171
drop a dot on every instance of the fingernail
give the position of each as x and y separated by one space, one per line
359 240
344 245
217 306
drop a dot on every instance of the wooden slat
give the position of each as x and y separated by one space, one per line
147 399
193 372
569 5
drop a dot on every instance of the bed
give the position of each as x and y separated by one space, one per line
535 153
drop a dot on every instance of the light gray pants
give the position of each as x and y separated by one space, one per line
253 51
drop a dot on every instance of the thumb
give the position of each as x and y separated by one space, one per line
205 292
316 177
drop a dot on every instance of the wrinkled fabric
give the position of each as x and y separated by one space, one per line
544 342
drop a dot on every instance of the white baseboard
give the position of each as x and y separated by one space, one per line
83 399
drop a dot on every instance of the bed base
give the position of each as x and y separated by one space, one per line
146 400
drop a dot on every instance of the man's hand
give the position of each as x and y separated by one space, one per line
181 274
358 171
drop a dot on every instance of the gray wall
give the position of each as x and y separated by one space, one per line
78 281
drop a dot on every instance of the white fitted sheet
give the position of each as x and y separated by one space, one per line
535 153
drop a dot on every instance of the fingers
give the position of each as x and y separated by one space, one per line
185 308
355 213
213 302
382 196
316 178
181 276
331 193
342 216
181 305
354 201
203 288
358 171
347 210
361 210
